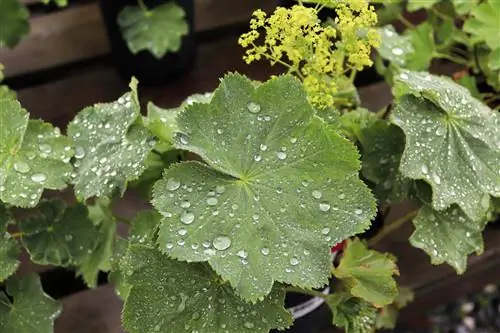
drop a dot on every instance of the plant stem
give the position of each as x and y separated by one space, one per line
452 58
392 227
306 292
407 23
17 235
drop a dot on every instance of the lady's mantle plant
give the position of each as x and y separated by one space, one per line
282 172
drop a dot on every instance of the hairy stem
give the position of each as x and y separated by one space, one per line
306 292
392 227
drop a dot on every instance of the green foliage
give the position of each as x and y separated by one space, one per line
159 30
30 307
59 235
60 3
444 125
9 248
448 236
171 296
15 25
368 274
351 313
264 215
111 145
388 315
414 5
33 156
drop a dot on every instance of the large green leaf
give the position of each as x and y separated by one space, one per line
269 204
452 141
33 156
351 313
59 235
168 296
144 228
484 25
387 316
159 30
100 259
394 47
414 5
111 146
31 311
14 17
448 236
9 248
368 274
463 7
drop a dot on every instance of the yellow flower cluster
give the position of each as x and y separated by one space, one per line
324 57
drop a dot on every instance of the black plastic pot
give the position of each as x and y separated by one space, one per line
143 65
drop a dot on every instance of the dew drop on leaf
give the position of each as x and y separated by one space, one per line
173 184
424 169
281 155
358 211
253 107
263 147
79 152
242 254
45 148
38 178
21 167
317 194
220 189
257 158
265 251
325 231
187 218
248 324
212 201
324 207
397 51
294 261
221 243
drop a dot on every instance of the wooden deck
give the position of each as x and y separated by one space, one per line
64 65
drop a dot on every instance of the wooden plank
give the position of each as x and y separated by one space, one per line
78 33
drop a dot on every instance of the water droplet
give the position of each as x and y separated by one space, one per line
253 107
182 232
220 189
38 178
404 76
221 243
185 204
263 147
358 211
324 207
68 238
265 251
281 155
173 184
424 169
242 254
45 148
397 51
342 196
436 179
325 231
248 324
317 194
257 158
212 201
79 152
187 218
293 140
294 261
21 167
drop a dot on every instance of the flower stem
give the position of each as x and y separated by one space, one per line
306 292
392 227
143 7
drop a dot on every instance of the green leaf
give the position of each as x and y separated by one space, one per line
390 11
368 274
33 156
31 311
469 82
59 235
117 276
463 7
388 315
414 5
9 248
59 3
100 259
394 47
494 60
159 30
484 25
422 39
448 236
15 25
111 146
163 122
351 313
144 228
452 141
171 296
268 205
